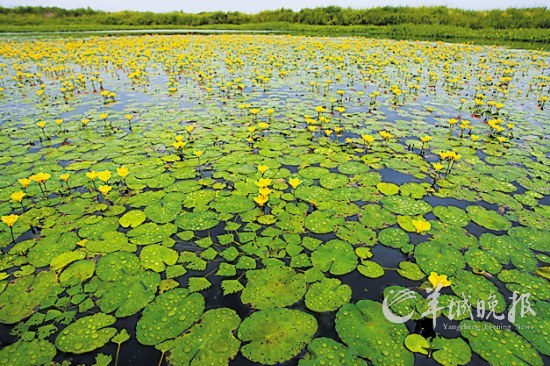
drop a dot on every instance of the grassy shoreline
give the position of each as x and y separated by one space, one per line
516 38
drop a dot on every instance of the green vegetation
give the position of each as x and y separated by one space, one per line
496 26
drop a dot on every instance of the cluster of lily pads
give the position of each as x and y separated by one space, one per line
304 179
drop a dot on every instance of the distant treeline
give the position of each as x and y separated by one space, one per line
332 15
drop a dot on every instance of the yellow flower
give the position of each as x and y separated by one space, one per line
105 189
103 116
251 129
24 182
58 121
18 196
10 220
452 121
260 200
294 182
264 191
328 132
129 117
368 138
41 124
501 139
122 172
85 121
437 280
198 153
178 145
40 177
426 139
92 175
270 111
263 125
189 128
254 111
340 109
104 176
340 92
474 137
385 135
320 109
438 166
64 177
179 138
421 226
263 182
263 168
338 130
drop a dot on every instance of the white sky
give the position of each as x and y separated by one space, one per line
194 6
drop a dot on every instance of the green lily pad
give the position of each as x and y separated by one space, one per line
157 257
116 266
406 205
130 294
451 351
86 334
326 351
78 271
163 212
439 258
370 269
488 219
327 295
336 257
168 316
275 335
365 329
411 271
197 221
132 218
376 217
322 222
210 342
499 347
21 353
452 215
524 283
477 288
388 189
534 327
393 237
273 287
417 344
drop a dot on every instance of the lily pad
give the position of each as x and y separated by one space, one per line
336 257
195 221
326 351
488 219
439 258
276 335
86 334
168 316
451 351
21 353
365 329
327 295
210 342
273 287
132 218
322 222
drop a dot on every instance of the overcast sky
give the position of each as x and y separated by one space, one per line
194 6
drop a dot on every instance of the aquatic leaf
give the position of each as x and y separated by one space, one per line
393 237
498 347
477 288
231 287
322 222
211 341
452 215
336 257
326 351
410 270
406 205
36 352
132 218
86 334
129 294
523 283
197 284
275 335
157 257
417 344
388 189
439 258
327 295
370 269
365 329
273 287
168 316
78 271
451 351
196 221
488 219
534 327
117 266
64 259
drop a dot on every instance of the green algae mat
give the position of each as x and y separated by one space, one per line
261 200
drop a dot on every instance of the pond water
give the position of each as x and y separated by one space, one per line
254 199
